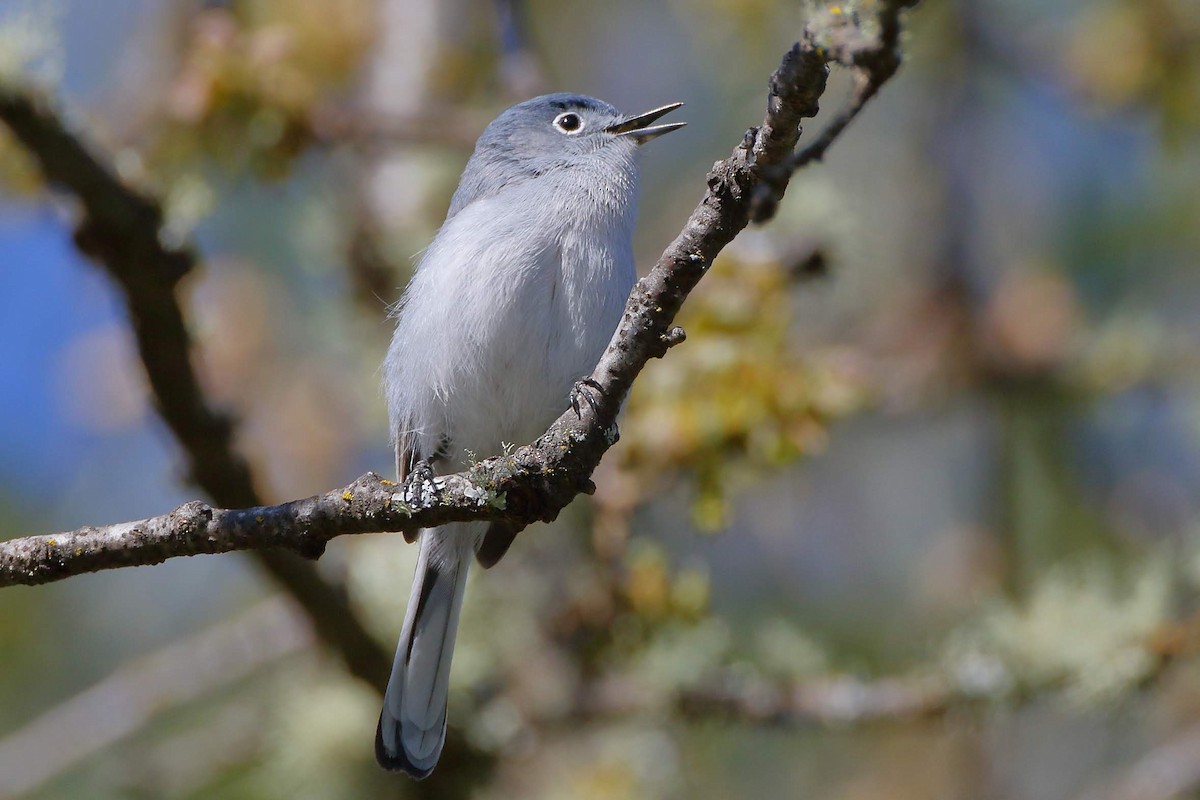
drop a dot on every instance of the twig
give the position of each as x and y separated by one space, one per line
864 89
819 700
874 60
538 480
825 701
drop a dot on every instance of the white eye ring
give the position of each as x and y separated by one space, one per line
568 122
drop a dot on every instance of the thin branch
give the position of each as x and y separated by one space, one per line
864 89
873 60
370 504
819 700
538 480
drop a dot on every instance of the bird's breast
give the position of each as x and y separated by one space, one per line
513 303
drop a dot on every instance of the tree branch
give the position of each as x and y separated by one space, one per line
370 504
119 227
538 480
819 700
873 59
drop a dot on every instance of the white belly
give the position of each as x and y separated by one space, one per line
491 338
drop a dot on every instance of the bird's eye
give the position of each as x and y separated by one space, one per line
568 122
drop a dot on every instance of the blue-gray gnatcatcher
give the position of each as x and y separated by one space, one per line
513 302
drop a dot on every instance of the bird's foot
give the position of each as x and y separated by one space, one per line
582 391
419 488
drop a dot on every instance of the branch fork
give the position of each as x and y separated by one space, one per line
535 482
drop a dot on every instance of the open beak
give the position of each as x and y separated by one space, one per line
639 128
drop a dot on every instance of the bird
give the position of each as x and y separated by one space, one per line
510 306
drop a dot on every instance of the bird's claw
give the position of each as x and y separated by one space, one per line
582 389
417 487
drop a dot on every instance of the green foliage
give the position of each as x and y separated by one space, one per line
741 396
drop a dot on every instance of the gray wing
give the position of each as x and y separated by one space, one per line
495 544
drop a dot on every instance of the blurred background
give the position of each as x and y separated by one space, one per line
914 513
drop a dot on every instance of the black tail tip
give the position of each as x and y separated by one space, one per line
398 761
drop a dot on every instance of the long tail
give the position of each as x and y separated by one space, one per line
412 725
